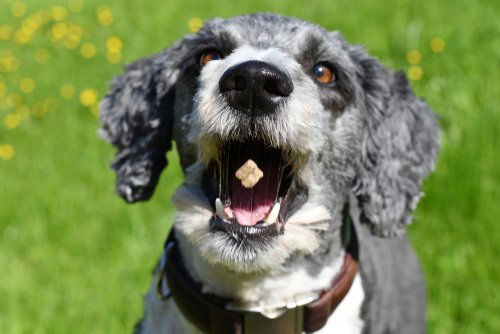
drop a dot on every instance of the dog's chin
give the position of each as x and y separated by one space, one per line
246 255
247 229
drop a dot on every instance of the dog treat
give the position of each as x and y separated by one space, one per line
249 174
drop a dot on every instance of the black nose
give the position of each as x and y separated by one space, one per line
255 87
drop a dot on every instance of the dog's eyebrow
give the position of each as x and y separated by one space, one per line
208 38
314 48
226 43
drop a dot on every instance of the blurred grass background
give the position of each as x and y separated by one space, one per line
75 258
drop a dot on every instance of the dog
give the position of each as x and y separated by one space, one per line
302 156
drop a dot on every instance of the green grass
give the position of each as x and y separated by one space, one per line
75 258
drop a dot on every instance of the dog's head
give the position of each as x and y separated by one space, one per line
319 118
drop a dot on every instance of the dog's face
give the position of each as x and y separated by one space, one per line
321 121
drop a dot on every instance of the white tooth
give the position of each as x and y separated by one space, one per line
219 209
273 215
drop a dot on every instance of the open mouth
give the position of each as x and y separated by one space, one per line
253 189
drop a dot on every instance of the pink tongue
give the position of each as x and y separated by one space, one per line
252 205
250 218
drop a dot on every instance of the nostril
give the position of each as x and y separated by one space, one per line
239 84
271 87
281 86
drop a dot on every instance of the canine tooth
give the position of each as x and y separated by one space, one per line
219 209
228 212
273 215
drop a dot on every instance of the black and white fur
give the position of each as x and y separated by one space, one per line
364 139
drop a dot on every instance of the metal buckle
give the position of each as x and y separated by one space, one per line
286 317
162 289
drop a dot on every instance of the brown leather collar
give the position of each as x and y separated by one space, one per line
209 313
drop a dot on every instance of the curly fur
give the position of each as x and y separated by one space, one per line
401 141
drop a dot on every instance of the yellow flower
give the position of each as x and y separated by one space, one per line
114 57
413 57
58 13
28 31
12 121
8 63
27 85
437 44
75 33
7 151
41 56
94 109
114 44
14 100
30 24
59 30
105 16
68 91
6 32
18 9
38 18
51 104
23 112
22 37
88 50
39 109
75 5
415 73
88 97
195 24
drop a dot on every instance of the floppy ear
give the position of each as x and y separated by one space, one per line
137 117
399 147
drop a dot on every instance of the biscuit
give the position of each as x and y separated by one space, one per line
249 174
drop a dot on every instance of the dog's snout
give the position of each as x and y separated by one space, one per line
255 87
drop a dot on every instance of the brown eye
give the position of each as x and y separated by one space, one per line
323 73
208 56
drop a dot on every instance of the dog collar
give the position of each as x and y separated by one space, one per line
215 315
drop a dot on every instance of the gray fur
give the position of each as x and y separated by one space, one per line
366 140
137 118
400 145
393 282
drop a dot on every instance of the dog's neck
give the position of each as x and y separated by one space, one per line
314 256
296 276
